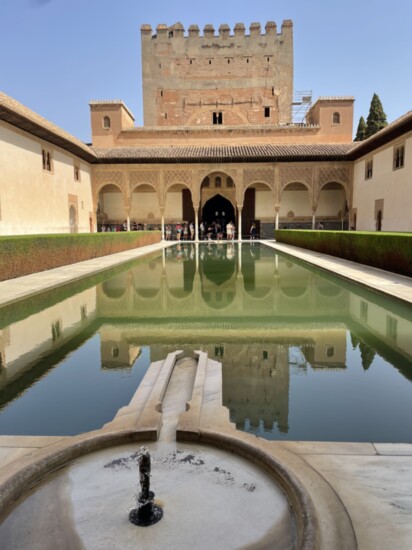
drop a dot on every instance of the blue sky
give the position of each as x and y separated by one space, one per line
57 55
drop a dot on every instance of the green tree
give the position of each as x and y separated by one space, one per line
367 355
376 119
361 131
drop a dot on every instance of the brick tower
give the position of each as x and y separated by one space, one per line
225 79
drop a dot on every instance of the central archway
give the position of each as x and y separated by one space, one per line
220 209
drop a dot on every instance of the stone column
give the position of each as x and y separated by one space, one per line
196 224
277 217
239 223
314 218
162 215
127 210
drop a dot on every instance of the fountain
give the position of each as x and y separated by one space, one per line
245 496
147 513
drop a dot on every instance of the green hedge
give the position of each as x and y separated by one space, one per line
389 251
25 254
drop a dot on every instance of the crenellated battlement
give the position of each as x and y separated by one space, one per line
176 31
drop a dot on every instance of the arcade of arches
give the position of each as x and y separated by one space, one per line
293 195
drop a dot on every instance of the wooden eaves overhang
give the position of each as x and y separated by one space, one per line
398 128
16 114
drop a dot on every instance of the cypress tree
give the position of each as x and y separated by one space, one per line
361 131
376 119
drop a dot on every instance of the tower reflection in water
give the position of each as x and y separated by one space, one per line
267 319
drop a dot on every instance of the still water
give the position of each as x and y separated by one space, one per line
305 356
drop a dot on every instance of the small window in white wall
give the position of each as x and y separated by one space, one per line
368 169
47 160
398 157
106 123
76 169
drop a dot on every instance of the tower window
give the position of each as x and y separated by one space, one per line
267 112
218 117
106 122
161 93
210 61
336 118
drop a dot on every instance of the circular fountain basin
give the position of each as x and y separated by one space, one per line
210 499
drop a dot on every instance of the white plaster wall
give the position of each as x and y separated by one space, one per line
145 207
30 338
393 186
35 201
174 206
376 322
113 207
296 201
264 204
331 201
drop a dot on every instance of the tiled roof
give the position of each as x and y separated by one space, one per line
222 153
19 115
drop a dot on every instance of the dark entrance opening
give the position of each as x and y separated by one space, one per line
218 209
379 221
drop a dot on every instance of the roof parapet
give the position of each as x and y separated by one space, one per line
177 30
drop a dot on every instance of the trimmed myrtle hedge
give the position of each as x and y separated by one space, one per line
25 254
389 251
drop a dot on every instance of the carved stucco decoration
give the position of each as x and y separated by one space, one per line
328 174
150 177
291 174
259 175
334 173
201 174
178 176
106 177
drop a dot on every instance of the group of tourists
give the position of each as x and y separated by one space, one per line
213 231
134 226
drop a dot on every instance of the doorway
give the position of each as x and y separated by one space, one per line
219 209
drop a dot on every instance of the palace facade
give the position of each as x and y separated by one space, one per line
220 141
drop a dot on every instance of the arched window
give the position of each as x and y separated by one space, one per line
336 118
218 181
106 123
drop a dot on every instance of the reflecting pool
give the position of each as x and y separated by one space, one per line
305 355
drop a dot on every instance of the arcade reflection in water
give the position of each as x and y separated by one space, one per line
260 314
